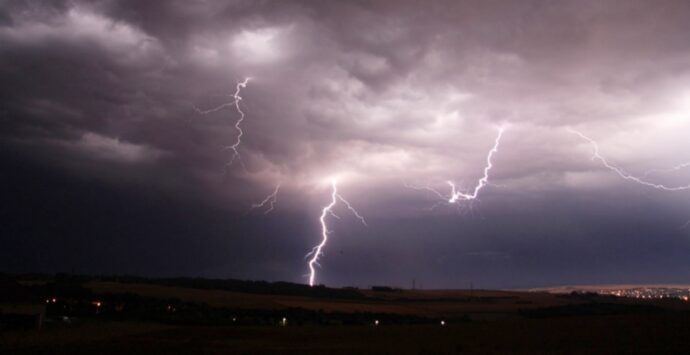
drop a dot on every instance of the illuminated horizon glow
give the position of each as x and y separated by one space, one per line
328 209
620 172
270 200
236 102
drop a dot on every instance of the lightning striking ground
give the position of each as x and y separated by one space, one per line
456 195
316 252
236 99
620 172
269 201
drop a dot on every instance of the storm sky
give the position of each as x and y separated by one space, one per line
107 168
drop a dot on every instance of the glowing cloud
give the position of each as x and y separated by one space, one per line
257 46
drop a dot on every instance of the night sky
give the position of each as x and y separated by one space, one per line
107 167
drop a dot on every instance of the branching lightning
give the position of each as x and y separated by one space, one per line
269 201
272 198
354 211
236 99
455 194
316 252
620 172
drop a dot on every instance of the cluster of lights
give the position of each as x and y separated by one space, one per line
650 293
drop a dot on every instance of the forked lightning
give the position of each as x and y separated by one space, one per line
317 251
455 195
236 99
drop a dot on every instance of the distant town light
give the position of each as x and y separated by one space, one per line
376 322
284 321
443 322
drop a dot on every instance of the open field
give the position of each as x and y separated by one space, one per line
433 303
572 335
478 304
476 322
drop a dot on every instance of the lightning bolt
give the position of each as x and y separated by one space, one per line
270 200
314 254
675 168
236 98
484 180
455 194
620 172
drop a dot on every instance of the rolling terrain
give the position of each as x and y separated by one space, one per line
170 317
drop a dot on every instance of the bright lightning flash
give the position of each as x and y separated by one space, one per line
314 254
236 98
596 155
456 195
269 201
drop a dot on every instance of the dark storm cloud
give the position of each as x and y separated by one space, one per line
101 93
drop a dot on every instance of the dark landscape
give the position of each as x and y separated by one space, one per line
120 315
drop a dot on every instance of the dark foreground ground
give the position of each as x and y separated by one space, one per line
572 335
96 316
